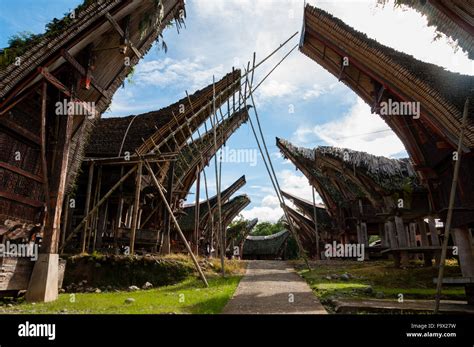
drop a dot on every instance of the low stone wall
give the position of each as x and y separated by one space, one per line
84 272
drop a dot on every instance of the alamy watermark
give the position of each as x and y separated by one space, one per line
77 108
28 329
345 250
22 250
240 155
400 108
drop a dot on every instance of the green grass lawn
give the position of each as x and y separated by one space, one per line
188 296
414 282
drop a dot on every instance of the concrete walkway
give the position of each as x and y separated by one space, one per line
273 287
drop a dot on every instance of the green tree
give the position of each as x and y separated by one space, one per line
267 228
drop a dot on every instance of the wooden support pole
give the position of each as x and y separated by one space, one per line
43 284
316 231
136 207
433 232
104 198
178 228
44 163
87 206
423 233
65 219
412 234
424 242
197 211
166 219
95 216
452 197
402 239
220 232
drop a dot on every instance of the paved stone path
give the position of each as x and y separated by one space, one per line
273 287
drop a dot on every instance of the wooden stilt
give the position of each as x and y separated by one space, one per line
87 206
136 206
104 198
197 210
316 232
452 197
178 228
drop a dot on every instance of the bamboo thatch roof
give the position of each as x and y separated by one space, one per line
73 52
454 18
307 208
196 155
303 159
114 136
231 209
265 245
391 174
442 93
238 232
186 221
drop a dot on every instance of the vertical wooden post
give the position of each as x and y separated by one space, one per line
166 219
402 239
65 219
136 205
316 231
95 215
452 197
43 285
44 162
423 233
197 210
434 238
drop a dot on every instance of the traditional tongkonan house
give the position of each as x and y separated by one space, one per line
422 103
337 198
53 88
315 231
206 210
450 17
236 236
116 198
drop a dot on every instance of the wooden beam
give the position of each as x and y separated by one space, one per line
63 89
21 172
76 65
21 199
119 30
26 134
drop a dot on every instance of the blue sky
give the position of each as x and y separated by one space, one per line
220 34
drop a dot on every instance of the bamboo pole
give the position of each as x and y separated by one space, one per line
449 217
105 197
136 206
218 188
178 228
197 209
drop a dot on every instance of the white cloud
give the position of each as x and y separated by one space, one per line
274 88
358 130
192 74
263 213
314 92
269 209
